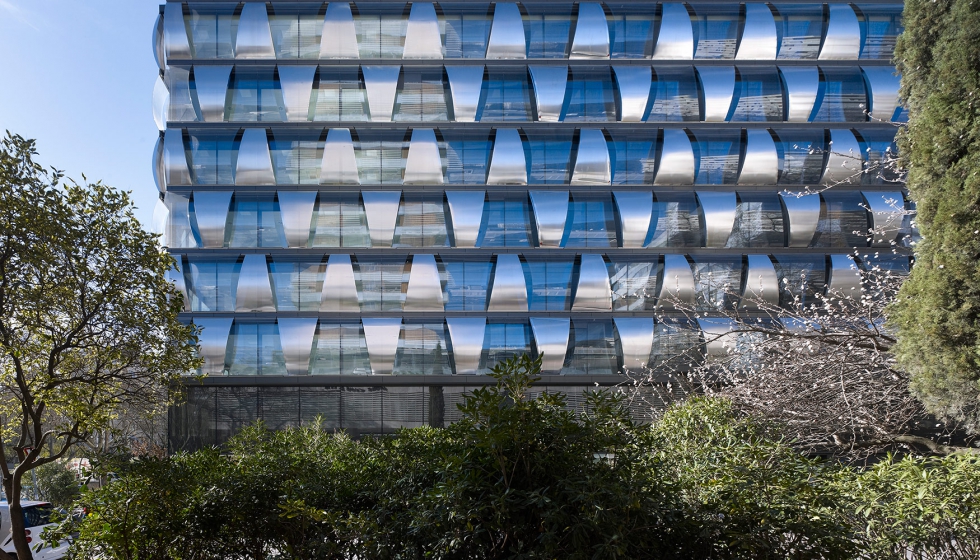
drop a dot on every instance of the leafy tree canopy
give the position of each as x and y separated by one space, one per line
88 321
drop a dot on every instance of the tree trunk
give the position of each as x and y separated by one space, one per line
17 528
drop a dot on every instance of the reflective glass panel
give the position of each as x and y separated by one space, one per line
591 222
507 95
380 283
339 94
422 350
466 285
676 222
843 220
674 95
340 350
593 345
421 96
255 349
759 96
506 220
421 221
297 284
503 341
340 222
634 284
590 96
802 30
758 221
551 284
254 222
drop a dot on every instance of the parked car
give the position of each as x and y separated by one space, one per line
37 517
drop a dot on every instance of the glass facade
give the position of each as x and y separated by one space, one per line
372 203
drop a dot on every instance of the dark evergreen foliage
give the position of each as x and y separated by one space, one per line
938 312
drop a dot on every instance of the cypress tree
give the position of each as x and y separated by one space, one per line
938 312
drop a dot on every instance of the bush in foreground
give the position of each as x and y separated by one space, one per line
522 476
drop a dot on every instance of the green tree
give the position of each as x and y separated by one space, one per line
938 312
88 321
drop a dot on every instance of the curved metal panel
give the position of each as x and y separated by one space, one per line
211 213
842 39
381 336
339 165
339 39
177 278
635 214
296 212
296 336
549 91
159 171
550 212
465 87
591 38
179 231
887 214
844 159
159 52
636 339
466 334
175 158
845 278
176 43
424 292
509 291
254 291
254 166
677 286
761 283
800 86
593 292
633 85
160 221
760 166
759 39
676 166
254 39
717 211
718 342
423 164
676 38
507 33
718 86
508 166
161 103
212 343
466 213
592 164
803 214
381 83
339 293
211 83
381 210
297 88
883 85
422 39
551 341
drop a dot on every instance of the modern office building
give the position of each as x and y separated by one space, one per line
373 202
